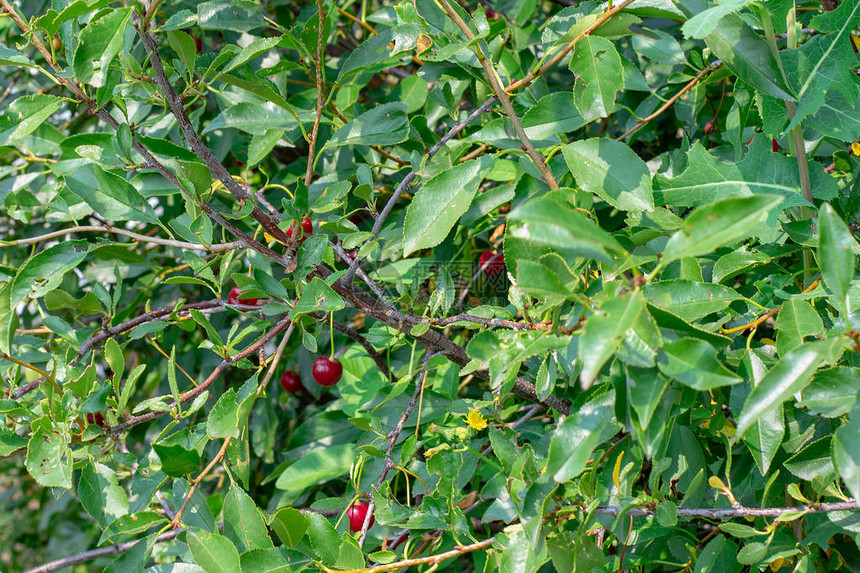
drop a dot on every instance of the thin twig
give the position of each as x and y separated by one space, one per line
671 101
406 183
493 78
430 559
94 554
216 248
392 439
533 75
194 392
320 104
177 519
371 351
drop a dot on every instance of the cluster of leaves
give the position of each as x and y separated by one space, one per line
666 376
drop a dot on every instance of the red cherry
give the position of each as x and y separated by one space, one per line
491 14
494 266
327 372
774 145
291 382
233 297
307 229
97 419
198 44
356 513
709 128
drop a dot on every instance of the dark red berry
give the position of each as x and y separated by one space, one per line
97 419
233 297
774 145
327 371
491 14
495 263
198 44
709 128
307 229
356 513
291 382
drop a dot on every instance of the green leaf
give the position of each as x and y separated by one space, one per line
688 299
694 363
796 320
439 204
183 44
100 42
718 556
243 522
45 271
545 225
232 15
254 117
324 539
289 525
133 560
575 439
108 194
611 170
604 331
24 115
704 22
378 49
386 124
711 226
835 253
832 392
49 460
789 376
100 494
747 55
846 453
317 467
317 296
819 66
213 552
597 66
706 178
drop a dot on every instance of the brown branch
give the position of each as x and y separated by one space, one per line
493 78
194 392
732 512
671 101
318 80
175 106
94 554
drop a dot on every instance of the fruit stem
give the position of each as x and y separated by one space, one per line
331 332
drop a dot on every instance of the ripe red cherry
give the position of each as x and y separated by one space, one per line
494 267
356 514
709 128
327 371
307 229
774 145
233 297
97 419
291 382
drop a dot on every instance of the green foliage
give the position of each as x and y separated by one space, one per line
657 371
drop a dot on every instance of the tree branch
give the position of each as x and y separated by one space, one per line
191 394
175 106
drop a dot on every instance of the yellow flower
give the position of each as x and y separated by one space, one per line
476 420
855 148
